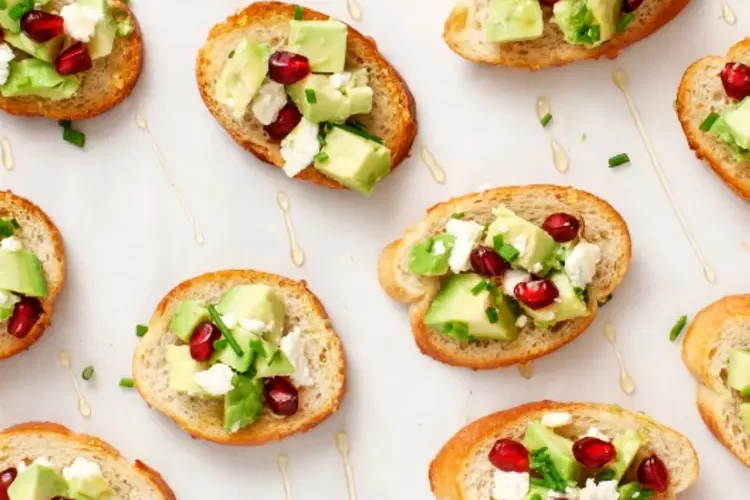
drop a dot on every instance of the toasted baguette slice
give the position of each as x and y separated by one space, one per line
602 225
462 471
464 34
103 87
700 93
204 418
717 329
61 446
394 112
39 235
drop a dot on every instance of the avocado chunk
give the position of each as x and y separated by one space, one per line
745 416
38 482
85 481
733 128
569 304
227 355
103 41
21 272
46 51
187 315
38 78
182 368
627 445
257 302
8 305
355 161
319 101
514 20
7 23
588 22
274 364
632 491
242 76
738 373
243 404
322 42
463 309
533 243
430 257
560 449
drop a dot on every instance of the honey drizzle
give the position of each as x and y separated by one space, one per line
435 169
560 157
283 469
296 253
342 443
8 161
83 407
526 369
627 384
727 13
354 9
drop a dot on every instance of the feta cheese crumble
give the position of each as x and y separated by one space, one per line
229 321
10 244
6 56
595 432
39 461
605 490
80 21
293 345
513 277
268 102
581 263
255 325
466 233
438 248
522 321
520 244
299 148
340 80
510 485
553 420
215 381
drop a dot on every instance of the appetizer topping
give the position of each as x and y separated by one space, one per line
41 479
594 453
87 373
287 68
293 346
514 20
6 56
300 147
286 120
588 22
85 479
630 5
580 265
553 420
216 381
738 379
282 397
487 262
510 485
676 330
140 330
10 244
25 315
513 278
509 456
536 294
127 382
202 341
736 80
653 474
74 59
562 227
617 160
80 21
597 433
731 128
42 26
323 43
604 490
269 101
465 234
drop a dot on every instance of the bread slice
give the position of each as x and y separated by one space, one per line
464 34
462 471
61 446
103 87
205 418
700 93
39 235
602 225
394 112
717 329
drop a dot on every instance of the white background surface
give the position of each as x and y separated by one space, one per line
127 244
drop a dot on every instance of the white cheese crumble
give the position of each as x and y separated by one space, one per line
82 469
605 490
215 381
10 244
510 485
556 419
580 265
293 345
537 268
229 321
570 494
4 297
438 248
299 148
513 277
545 315
340 80
522 320
466 234
520 244
255 325
80 21
595 432
6 56
39 461
235 427
268 102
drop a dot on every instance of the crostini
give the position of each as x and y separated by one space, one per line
41 460
241 357
507 275
308 94
535 34
716 350
549 450
714 110
32 272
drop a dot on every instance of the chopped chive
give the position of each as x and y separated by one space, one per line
358 131
310 96
322 140
509 253
321 157
18 10
65 123
536 496
497 242
605 300
224 330
491 313
625 22
3 4
458 215
14 223
605 475
297 12
618 160
231 54
126 382
584 137
74 137
140 330
546 119
479 287
220 344
257 346
677 328
87 373
709 122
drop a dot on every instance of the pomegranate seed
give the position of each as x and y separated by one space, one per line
42 26
74 59
548 3
25 315
562 227
630 5
536 294
509 456
287 68
594 453
288 118
487 262
653 474
736 80
202 341
282 397
6 479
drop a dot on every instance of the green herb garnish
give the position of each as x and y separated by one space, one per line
87 373
605 475
618 160
231 54
297 12
140 330
677 328
491 313
458 330
3 4
321 157
224 330
18 10
605 300
257 346
220 344
497 242
356 130
509 253
546 119
482 286
458 215
542 465
8 227
126 382
536 496
71 135
322 140
65 123
625 22
311 97
125 27
709 122
582 294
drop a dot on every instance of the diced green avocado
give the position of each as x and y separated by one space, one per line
227 355
276 364
463 310
243 75
533 242
6 22
322 42
738 373
514 20
588 22
94 487
38 78
560 449
537 492
737 120
430 258
319 101
627 445
21 272
258 302
6 310
38 482
631 491
46 51
569 304
745 416
356 162
722 131
187 315
182 367
105 33
243 404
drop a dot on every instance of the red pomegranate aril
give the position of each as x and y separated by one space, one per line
202 341
487 262
562 227
42 26
509 455
7 477
594 453
630 5
536 294
74 59
652 473
736 80
25 315
287 68
282 397
548 3
288 118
